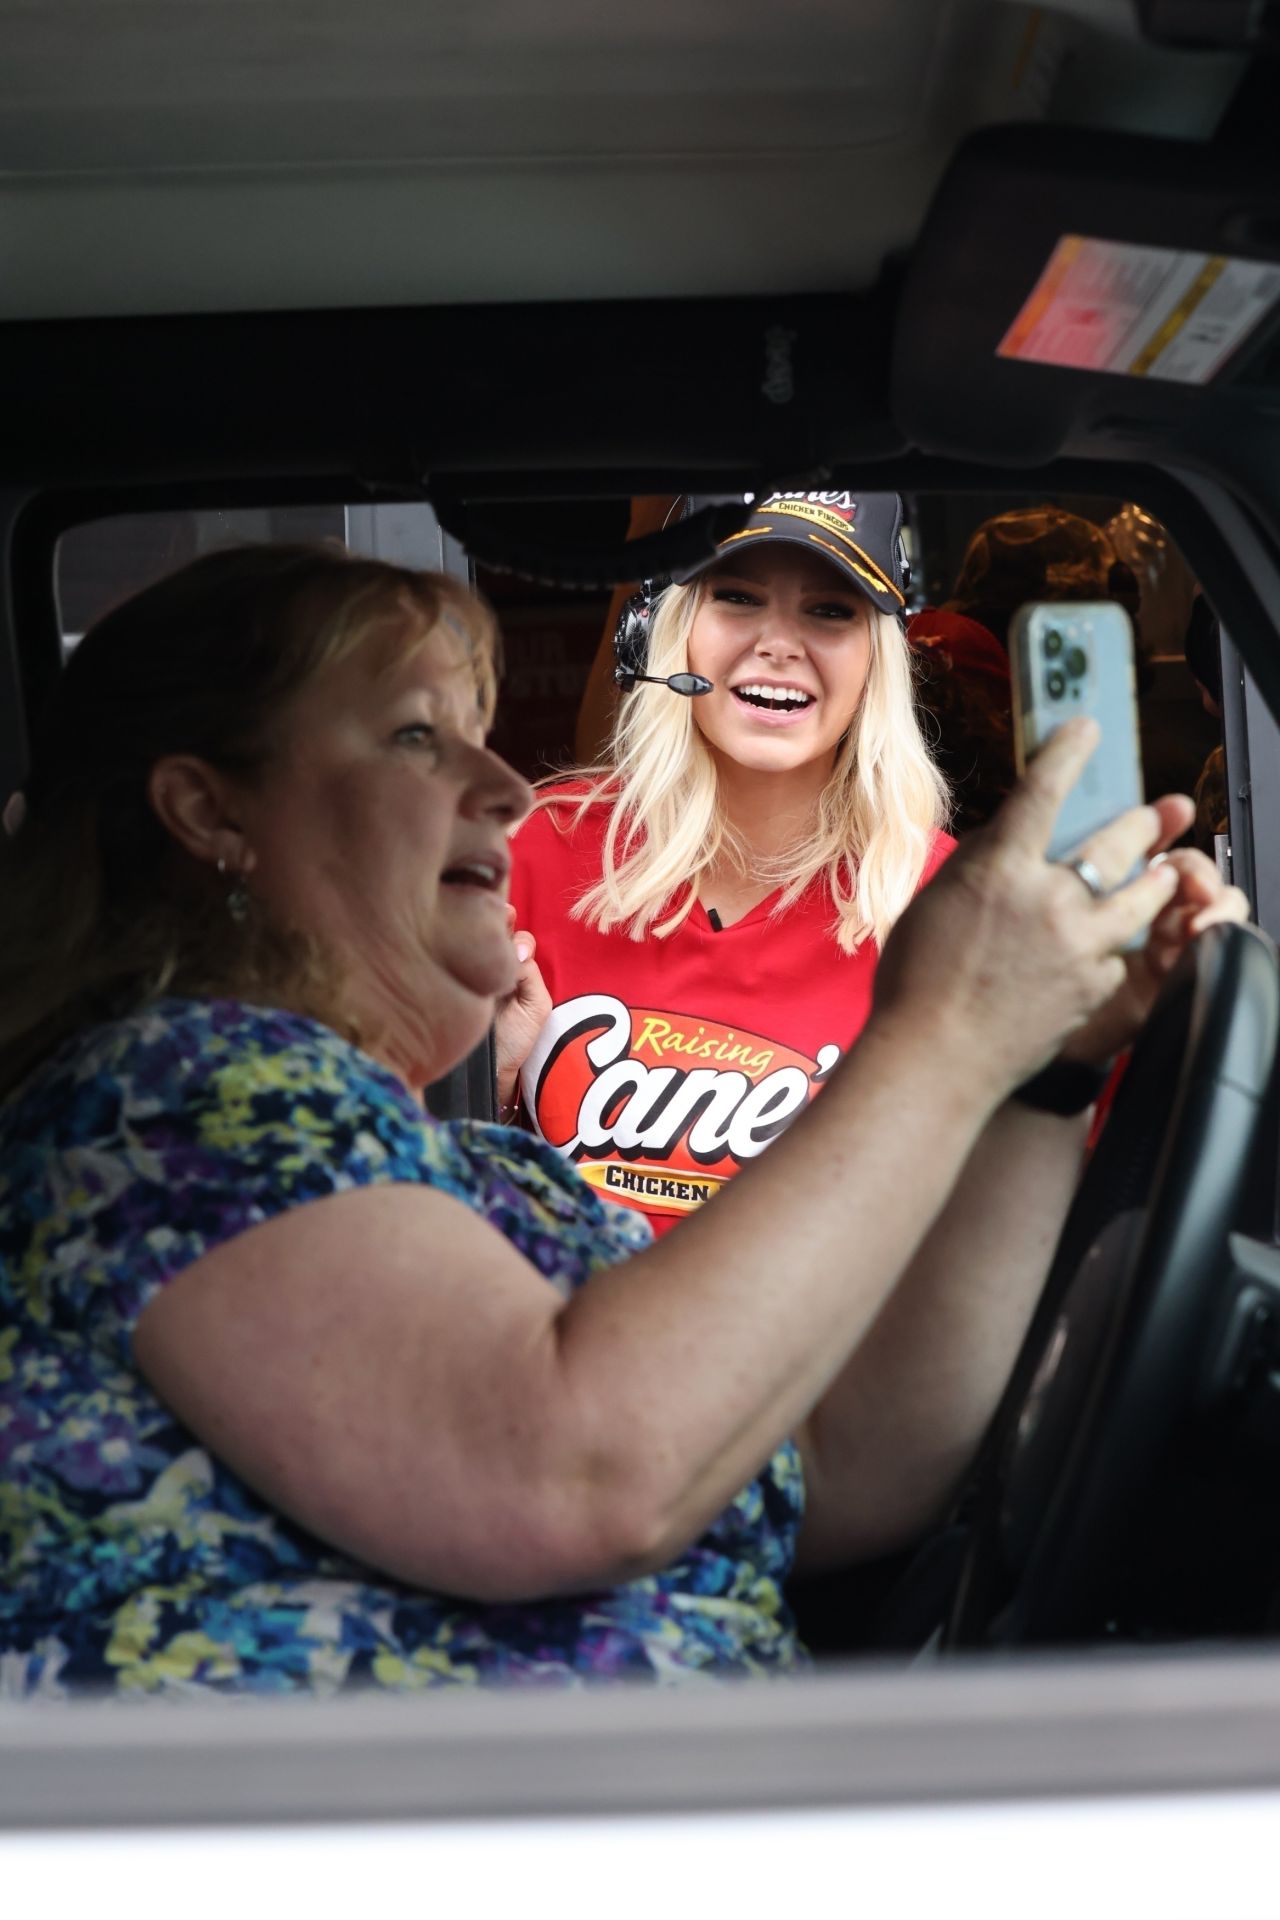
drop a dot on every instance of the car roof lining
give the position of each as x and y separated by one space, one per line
276 154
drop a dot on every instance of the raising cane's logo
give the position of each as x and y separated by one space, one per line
659 1109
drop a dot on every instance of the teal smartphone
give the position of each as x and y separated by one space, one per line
1069 658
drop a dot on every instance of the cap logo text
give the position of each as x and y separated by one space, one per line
843 500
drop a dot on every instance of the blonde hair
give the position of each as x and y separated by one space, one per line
876 818
103 910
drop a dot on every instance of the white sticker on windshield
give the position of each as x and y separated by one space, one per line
1151 312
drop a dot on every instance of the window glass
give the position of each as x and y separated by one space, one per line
104 561
974 558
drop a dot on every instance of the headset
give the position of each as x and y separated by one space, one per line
631 636
631 648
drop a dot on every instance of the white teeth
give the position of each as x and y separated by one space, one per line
486 875
778 696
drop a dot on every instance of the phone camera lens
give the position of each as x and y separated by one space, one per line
1053 644
1056 682
1077 663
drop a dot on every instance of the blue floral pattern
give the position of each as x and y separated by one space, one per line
133 1559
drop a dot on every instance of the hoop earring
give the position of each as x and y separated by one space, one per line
237 896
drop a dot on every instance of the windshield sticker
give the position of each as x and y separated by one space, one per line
1150 312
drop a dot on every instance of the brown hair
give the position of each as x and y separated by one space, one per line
1038 553
102 909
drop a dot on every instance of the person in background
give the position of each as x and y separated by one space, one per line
1176 738
1026 553
962 689
707 906
1038 553
1166 585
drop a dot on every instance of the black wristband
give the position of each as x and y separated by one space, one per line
1064 1086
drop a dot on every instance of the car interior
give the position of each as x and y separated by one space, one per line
468 290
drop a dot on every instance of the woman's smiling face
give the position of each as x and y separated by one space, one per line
786 641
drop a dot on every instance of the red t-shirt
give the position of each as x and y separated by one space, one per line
666 1064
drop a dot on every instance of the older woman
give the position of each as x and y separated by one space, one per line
301 1388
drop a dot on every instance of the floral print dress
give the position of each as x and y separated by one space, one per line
132 1559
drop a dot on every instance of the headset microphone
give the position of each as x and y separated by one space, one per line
689 684
631 649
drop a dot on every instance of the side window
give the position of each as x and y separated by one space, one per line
550 636
104 561
982 557
975 558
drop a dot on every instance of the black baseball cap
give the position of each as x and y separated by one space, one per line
860 534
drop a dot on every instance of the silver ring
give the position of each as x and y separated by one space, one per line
1089 874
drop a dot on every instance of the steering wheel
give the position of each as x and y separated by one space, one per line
1117 1348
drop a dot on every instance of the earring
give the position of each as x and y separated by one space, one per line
237 897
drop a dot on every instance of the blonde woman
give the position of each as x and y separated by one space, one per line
708 907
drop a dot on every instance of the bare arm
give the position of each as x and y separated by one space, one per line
919 1390
386 1369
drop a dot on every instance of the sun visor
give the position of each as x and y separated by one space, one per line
1073 292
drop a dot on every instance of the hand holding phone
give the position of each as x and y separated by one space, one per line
1069 658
